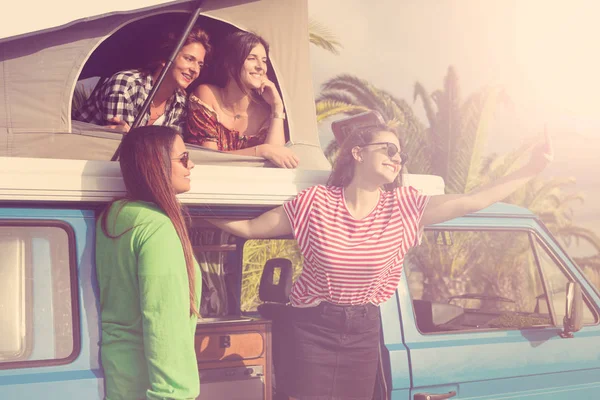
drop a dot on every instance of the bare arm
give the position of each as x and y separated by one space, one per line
276 134
281 156
273 223
444 207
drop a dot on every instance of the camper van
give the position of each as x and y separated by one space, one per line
490 305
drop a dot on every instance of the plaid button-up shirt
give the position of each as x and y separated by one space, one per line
123 96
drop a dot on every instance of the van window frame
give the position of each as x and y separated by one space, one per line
533 236
74 289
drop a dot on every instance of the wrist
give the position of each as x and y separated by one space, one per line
277 115
277 108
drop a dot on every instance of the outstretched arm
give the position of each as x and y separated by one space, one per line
273 223
444 207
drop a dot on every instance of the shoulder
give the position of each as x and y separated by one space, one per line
204 96
143 215
319 190
323 194
131 75
407 191
329 190
207 93
125 80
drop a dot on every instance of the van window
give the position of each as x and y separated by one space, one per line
469 280
256 254
37 295
556 286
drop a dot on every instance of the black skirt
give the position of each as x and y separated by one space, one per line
336 351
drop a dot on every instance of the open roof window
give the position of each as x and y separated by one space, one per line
130 48
43 67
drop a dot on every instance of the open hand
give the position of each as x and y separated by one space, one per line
279 155
270 94
118 124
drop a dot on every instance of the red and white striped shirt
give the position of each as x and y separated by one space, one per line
350 261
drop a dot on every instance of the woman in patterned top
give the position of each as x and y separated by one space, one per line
353 235
118 101
243 113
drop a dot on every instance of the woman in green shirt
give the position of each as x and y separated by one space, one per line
149 281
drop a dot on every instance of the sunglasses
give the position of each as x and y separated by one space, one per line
392 150
183 159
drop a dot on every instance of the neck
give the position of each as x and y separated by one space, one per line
165 91
357 193
234 98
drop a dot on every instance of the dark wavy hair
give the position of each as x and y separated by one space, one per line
234 50
167 42
146 168
343 168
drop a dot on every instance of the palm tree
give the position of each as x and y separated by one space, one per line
457 130
348 94
444 272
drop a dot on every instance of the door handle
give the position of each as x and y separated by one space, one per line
431 396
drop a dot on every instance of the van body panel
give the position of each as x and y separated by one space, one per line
527 363
81 372
399 379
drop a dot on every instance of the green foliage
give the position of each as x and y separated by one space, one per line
493 263
457 130
349 95
256 254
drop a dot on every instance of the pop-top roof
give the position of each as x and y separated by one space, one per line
40 70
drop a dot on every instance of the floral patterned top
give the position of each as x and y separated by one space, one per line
203 125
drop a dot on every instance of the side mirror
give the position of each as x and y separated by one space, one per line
574 310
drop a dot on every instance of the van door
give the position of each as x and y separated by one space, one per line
49 329
394 355
482 310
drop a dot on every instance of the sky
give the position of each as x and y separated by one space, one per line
540 52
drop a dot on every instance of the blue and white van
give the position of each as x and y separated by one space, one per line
490 307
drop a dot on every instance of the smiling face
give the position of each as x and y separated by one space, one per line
374 164
254 69
187 65
180 174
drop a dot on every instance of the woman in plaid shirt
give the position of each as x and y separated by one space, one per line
117 102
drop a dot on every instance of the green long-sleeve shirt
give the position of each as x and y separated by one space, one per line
147 347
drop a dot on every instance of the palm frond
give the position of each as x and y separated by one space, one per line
361 90
477 113
329 108
579 234
321 36
337 95
420 91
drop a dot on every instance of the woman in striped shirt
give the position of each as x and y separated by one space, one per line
353 235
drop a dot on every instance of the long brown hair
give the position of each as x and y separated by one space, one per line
146 168
343 168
